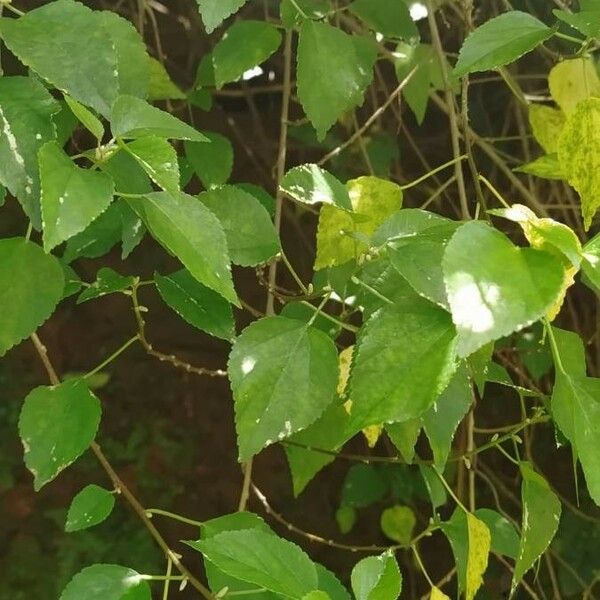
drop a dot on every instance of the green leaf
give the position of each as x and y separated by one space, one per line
190 231
407 223
71 197
363 486
404 436
244 45
213 162
262 559
488 299
377 578
31 285
91 506
310 184
107 582
57 425
86 117
477 558
398 523
435 488
158 158
579 155
405 358
107 282
345 517
591 260
160 85
586 21
391 19
283 376
251 235
547 167
128 175
215 12
343 236
26 110
333 71
573 81
134 118
195 303
500 41
541 515
505 539
546 123
294 12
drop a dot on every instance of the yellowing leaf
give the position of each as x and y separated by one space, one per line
372 434
569 281
398 523
477 559
546 123
343 236
579 155
437 594
572 81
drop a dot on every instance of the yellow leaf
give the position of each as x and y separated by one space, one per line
579 155
568 282
546 123
477 558
372 434
437 594
345 360
572 81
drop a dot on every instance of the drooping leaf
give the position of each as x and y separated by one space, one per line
212 162
572 81
91 506
546 123
26 110
404 436
158 158
541 515
333 71
215 12
546 166
107 282
31 285
195 303
185 227
392 19
160 85
579 155
477 558
494 287
283 375
244 45
57 425
72 197
251 236
107 582
398 523
505 539
500 41
377 578
310 184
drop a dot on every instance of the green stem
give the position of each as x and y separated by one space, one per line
433 172
170 515
422 566
319 309
494 191
554 347
112 357
373 291
449 489
12 8
503 451
343 325
295 275
163 577
569 38
165 595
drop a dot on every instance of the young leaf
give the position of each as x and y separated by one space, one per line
215 12
283 375
572 81
134 118
107 282
391 19
91 506
186 228
546 123
158 158
333 71
107 582
72 197
86 117
500 41
28 299
377 578
160 85
212 162
398 523
477 558
487 299
262 559
57 425
405 358
579 155
26 110
244 45
541 515
251 236
195 303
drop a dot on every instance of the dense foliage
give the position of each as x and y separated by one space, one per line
413 323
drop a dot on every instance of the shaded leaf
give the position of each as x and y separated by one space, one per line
212 162
158 158
91 506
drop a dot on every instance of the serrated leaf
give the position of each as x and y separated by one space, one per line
214 12
405 357
500 41
243 46
185 227
107 282
86 117
72 197
333 71
404 436
377 578
31 285
160 85
494 287
392 19
91 506
132 117
572 81
546 123
398 523
158 158
283 375
57 425
107 582
547 167
26 111
477 558
262 559
251 235
195 303
505 539
310 184
579 155
212 162
586 21
541 515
